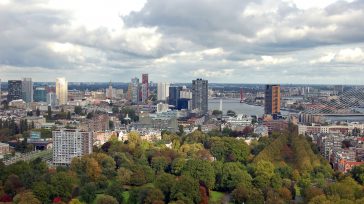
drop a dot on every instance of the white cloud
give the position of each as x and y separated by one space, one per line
267 60
212 74
355 55
348 55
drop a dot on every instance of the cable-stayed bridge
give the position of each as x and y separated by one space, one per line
349 103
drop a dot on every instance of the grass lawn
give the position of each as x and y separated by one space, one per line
216 196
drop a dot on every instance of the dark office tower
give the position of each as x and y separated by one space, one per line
14 90
200 95
40 94
272 99
27 89
174 95
145 88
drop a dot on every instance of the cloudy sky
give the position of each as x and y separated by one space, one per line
227 41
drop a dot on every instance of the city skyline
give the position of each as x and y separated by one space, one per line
270 41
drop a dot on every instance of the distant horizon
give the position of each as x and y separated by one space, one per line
213 83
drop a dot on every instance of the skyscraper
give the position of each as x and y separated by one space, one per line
162 91
174 95
109 91
145 88
272 99
14 90
134 90
40 94
68 144
51 99
200 95
62 91
27 90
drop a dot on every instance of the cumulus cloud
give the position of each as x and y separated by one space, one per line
280 41
348 55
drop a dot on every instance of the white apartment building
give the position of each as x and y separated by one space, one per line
68 144
162 91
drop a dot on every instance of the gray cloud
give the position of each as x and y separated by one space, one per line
224 41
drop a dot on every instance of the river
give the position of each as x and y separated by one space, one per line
236 106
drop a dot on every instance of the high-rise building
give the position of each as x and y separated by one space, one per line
200 95
145 87
272 99
162 91
144 91
62 91
27 90
14 90
40 94
109 91
184 103
68 144
51 99
174 95
134 90
185 93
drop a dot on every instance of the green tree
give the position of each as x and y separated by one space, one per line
177 165
159 163
244 194
358 173
88 192
186 189
141 175
116 190
228 149
26 198
41 191
165 183
106 199
233 173
146 194
62 184
200 170
106 163
75 201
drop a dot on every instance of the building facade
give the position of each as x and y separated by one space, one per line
174 95
68 144
14 90
162 91
62 91
40 94
200 95
134 90
27 90
145 87
272 100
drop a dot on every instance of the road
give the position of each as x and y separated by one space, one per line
45 155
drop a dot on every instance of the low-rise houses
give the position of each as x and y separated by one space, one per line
238 122
343 152
317 128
